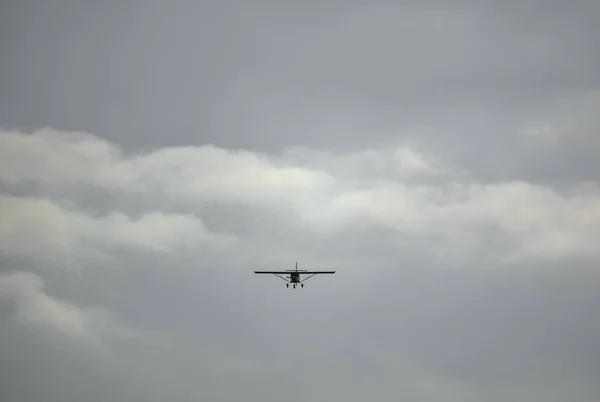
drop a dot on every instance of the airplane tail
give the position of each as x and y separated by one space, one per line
296 269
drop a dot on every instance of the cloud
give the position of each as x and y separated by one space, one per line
43 228
209 214
312 190
37 309
544 223
441 157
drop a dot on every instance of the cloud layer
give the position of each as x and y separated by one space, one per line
441 158
315 191
208 216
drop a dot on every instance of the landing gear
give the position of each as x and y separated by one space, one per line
287 285
294 286
301 285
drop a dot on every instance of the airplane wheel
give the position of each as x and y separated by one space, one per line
302 285
294 286
287 285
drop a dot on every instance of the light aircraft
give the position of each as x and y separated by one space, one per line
294 275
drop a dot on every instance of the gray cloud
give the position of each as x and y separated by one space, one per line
468 289
267 75
440 158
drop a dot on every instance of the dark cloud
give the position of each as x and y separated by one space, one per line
268 75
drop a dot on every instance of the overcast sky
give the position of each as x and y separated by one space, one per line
441 156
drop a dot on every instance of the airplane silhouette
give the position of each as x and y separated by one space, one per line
294 275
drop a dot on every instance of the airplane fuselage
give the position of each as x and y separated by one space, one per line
294 277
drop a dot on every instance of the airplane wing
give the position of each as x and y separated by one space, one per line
299 272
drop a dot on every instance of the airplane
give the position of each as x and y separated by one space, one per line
294 275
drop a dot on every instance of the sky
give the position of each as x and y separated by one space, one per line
440 156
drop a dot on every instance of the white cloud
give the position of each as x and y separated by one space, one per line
36 308
54 157
322 192
398 162
43 228
544 223
34 226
